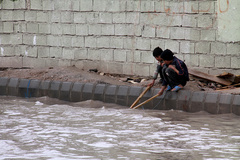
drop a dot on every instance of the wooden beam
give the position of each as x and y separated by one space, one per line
209 77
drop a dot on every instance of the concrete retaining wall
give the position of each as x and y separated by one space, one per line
214 103
118 36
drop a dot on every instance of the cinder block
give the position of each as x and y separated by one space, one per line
11 62
18 15
205 21
236 105
147 6
189 20
103 42
134 93
23 88
76 92
208 35
86 5
143 44
69 29
173 45
87 91
65 91
218 48
206 60
34 88
122 97
225 103
192 34
67 17
7 15
177 33
7 27
30 15
32 27
3 85
42 17
183 100
110 94
114 67
11 39
171 100
197 102
158 103
54 89
99 92
37 5
223 61
44 28
108 29
44 88
119 17
211 103
13 87
142 69
146 96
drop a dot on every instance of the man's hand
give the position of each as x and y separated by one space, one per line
173 68
162 90
151 84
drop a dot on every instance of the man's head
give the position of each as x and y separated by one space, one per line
167 56
157 53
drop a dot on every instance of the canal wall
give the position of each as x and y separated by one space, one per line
189 101
118 36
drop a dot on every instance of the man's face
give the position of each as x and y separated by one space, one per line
159 59
167 61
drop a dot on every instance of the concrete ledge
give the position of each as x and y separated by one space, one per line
34 88
3 85
214 103
133 94
44 88
225 102
121 98
197 102
211 103
236 105
54 90
64 93
13 87
87 92
158 103
184 100
76 92
23 88
110 94
99 92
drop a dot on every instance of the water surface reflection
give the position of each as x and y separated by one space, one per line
46 128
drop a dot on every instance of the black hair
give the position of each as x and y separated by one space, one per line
157 52
167 55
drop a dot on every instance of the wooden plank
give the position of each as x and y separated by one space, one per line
209 77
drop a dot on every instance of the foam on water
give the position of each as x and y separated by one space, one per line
45 128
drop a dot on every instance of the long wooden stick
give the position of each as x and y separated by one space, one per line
136 101
146 101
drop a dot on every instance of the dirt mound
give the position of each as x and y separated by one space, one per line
73 74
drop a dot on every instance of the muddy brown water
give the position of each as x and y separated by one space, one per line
45 128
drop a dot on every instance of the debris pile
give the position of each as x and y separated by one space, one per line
219 82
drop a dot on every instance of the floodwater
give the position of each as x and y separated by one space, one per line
45 128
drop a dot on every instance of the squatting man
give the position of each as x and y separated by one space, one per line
173 71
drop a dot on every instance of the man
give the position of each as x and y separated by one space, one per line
174 72
157 55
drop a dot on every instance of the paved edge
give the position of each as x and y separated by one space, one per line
189 101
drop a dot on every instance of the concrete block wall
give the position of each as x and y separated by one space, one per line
115 36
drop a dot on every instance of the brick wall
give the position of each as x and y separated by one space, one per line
115 36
